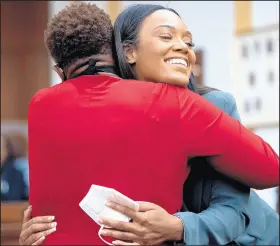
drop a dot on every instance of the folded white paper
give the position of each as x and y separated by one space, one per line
94 203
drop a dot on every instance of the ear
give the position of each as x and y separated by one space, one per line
130 53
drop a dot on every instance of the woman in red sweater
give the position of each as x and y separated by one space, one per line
134 137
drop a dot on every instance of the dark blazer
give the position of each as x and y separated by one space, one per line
222 211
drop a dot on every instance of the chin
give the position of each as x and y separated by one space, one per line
181 81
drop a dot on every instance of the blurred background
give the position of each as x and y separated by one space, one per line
237 48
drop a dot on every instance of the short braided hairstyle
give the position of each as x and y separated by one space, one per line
78 31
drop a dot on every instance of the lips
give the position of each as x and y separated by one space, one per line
180 61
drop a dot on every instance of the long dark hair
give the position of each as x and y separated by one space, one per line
126 29
199 89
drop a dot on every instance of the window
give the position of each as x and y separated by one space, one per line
246 106
244 51
269 46
270 77
257 46
252 79
258 103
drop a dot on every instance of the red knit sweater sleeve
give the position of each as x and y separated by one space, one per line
235 151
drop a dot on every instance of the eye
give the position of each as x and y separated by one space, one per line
166 36
190 44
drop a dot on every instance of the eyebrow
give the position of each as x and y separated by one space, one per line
172 27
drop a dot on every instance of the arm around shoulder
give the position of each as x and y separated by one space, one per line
235 150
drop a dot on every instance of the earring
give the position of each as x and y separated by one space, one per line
131 62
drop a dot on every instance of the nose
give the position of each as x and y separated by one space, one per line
180 46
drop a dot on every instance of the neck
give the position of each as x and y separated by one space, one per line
82 64
110 74
102 60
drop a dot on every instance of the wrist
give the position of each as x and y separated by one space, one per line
177 229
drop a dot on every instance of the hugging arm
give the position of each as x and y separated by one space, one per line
219 216
223 221
235 151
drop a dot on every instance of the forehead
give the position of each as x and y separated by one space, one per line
163 17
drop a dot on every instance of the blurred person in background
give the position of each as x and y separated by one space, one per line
14 168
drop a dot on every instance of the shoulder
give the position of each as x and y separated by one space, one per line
145 89
223 100
43 94
51 95
220 96
37 102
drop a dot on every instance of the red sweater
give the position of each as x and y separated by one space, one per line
132 136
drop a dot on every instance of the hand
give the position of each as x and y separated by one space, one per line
152 225
34 230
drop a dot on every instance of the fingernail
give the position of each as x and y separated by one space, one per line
100 221
108 204
53 224
53 229
51 218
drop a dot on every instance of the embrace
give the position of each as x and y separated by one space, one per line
128 115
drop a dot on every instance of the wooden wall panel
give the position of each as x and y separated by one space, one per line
11 221
24 60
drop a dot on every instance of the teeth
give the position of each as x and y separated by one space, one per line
177 61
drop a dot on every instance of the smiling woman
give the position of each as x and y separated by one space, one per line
149 129
161 40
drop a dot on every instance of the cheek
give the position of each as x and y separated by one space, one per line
192 57
152 49
149 57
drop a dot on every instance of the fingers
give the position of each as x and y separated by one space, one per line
146 206
119 242
27 215
39 241
36 228
123 209
39 237
125 236
118 225
37 220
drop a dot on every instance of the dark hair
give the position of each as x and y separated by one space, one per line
126 29
199 89
78 31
